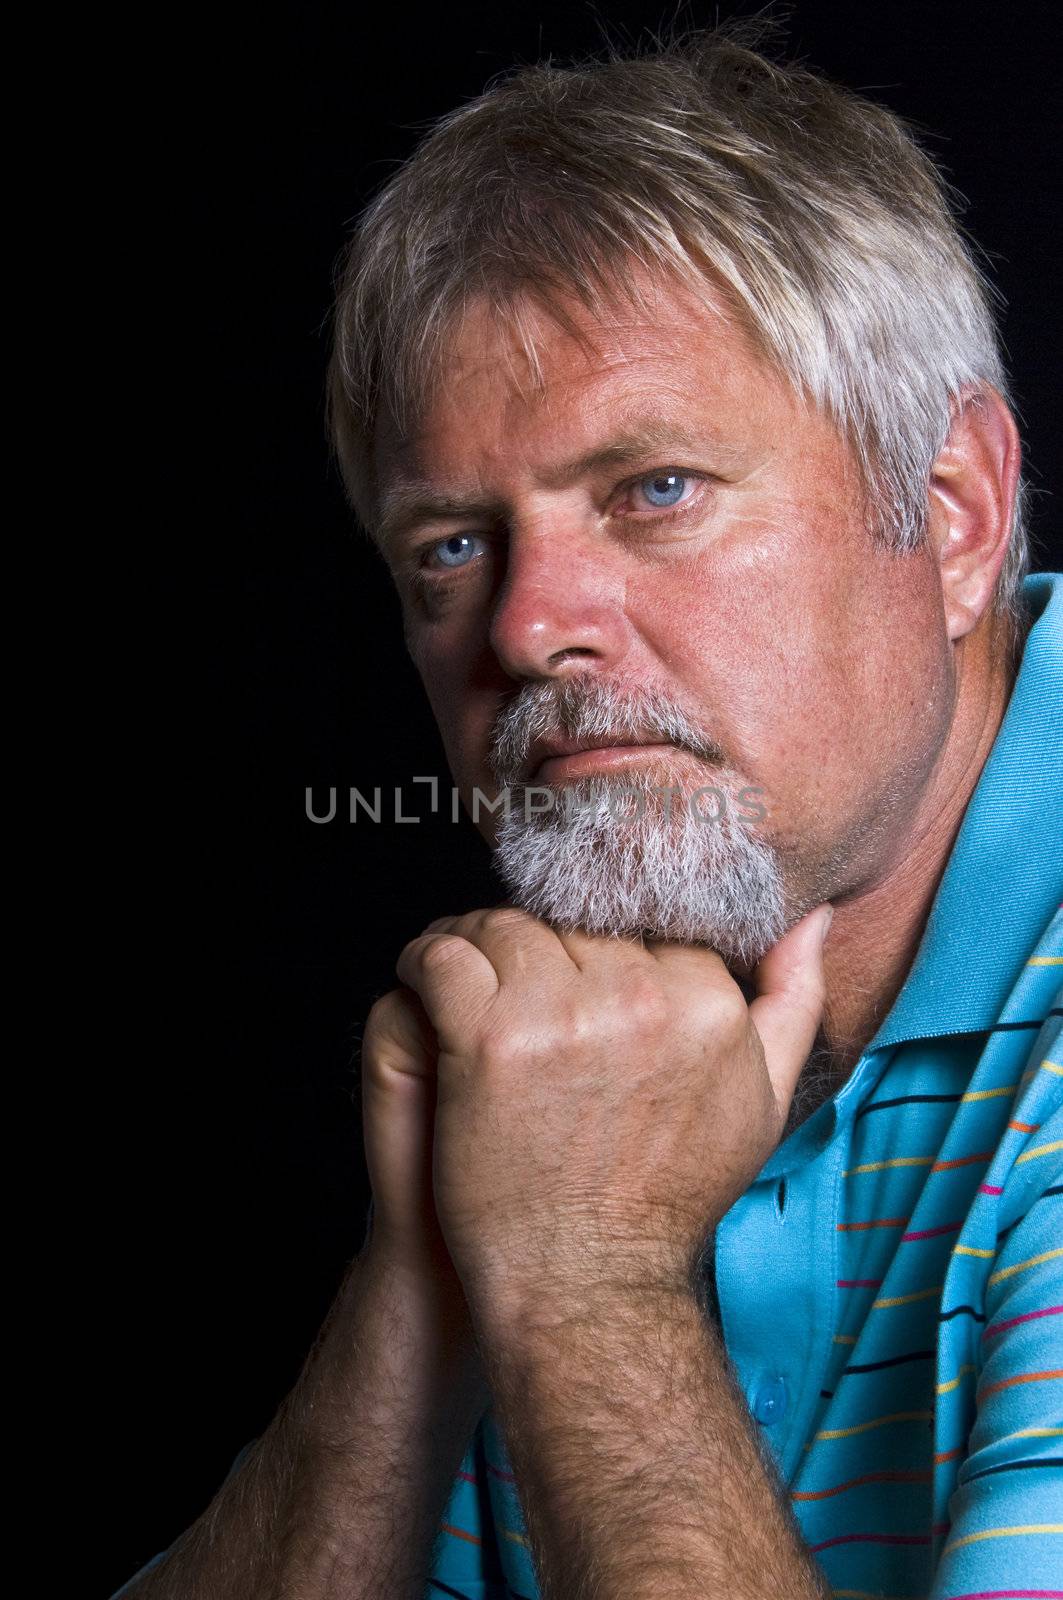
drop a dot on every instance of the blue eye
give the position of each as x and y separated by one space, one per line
457 550
664 489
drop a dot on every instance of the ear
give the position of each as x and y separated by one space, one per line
971 500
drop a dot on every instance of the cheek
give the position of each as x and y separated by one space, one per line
810 653
734 634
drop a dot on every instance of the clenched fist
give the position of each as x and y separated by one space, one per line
600 1103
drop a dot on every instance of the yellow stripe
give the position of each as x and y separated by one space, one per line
954 1383
906 1299
897 1161
1045 961
1034 1433
1003 1533
988 1094
518 1538
1039 1150
1053 1066
845 1338
969 1250
876 1422
1020 1266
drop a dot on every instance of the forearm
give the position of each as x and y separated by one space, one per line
639 1470
342 1495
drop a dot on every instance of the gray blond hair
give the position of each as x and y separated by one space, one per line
830 234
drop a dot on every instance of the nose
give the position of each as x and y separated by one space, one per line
560 609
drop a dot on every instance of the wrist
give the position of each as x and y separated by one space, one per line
578 1322
409 1336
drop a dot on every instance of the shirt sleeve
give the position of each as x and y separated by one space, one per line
1006 1514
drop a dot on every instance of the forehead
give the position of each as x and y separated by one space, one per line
535 386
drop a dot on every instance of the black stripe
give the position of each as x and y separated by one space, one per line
959 1311
894 1361
1057 1188
826 1394
906 1100
1013 1466
938 1099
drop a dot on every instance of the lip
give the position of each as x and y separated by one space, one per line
568 764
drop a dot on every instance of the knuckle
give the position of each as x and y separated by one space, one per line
440 952
729 1008
504 1045
503 919
395 1022
643 1001
383 1014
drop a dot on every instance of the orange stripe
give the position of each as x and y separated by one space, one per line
1021 1377
898 1476
1024 1127
949 1455
963 1161
460 1533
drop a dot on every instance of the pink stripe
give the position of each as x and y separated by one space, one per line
859 1283
872 1538
932 1233
989 1188
1027 1316
886 1538
496 1472
469 1477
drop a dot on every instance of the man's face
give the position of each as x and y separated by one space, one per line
664 516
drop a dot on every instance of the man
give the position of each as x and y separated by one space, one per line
712 1252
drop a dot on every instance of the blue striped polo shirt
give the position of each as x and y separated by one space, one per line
891 1285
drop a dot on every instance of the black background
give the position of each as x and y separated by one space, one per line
265 655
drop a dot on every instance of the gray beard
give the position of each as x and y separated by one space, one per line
597 864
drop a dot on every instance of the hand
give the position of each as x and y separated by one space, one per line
407 1267
601 1103
398 1110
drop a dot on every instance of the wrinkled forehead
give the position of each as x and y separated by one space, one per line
519 335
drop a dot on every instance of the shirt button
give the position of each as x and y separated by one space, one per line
770 1400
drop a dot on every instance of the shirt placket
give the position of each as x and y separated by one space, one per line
775 1272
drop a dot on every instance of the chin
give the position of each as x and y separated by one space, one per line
650 873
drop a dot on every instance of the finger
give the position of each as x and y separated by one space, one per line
454 980
704 964
790 997
398 1071
516 943
399 1037
602 950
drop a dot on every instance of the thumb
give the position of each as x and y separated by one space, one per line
790 996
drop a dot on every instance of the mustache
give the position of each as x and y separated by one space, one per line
592 709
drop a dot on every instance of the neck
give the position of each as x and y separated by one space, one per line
877 928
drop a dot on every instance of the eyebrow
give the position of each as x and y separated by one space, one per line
414 501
